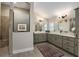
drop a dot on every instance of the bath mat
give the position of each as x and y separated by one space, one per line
49 51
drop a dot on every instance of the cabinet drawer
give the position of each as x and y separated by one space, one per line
69 38
58 44
68 48
68 43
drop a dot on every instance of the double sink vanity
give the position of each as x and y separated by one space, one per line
65 41
64 32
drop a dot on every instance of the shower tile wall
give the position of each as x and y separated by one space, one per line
4 25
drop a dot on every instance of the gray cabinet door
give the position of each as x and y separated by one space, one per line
76 46
40 37
68 48
55 39
49 38
45 37
36 38
58 41
68 45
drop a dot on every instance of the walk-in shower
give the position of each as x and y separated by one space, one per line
4 28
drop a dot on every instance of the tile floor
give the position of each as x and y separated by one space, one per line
37 53
4 52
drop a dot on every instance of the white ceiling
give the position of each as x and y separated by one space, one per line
24 5
49 9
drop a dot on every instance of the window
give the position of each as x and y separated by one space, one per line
51 26
45 27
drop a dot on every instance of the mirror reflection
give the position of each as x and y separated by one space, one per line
65 22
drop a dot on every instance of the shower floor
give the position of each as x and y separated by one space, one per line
4 52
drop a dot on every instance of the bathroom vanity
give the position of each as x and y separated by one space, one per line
40 37
64 41
64 32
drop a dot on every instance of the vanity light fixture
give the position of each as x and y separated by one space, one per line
40 20
64 16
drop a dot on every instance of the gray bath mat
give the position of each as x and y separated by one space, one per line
49 51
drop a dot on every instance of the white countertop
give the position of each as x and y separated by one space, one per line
63 34
40 32
69 34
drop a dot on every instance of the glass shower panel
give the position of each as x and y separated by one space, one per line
0 24
5 24
4 29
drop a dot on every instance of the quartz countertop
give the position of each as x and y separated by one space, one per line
40 32
69 34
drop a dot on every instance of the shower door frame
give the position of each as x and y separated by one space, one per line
11 17
10 32
10 45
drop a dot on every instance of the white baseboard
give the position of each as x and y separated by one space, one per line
23 50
